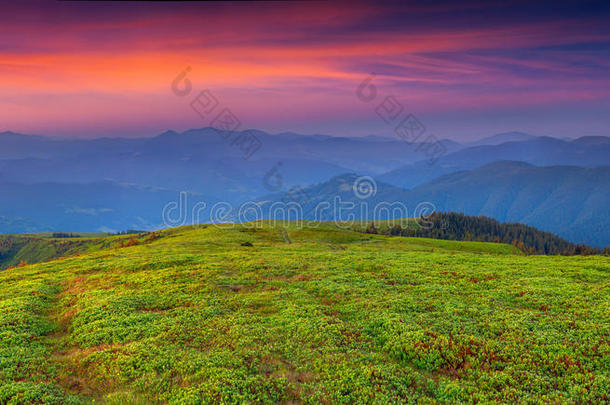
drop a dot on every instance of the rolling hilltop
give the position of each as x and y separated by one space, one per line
259 313
22 249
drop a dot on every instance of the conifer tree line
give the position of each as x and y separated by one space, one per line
460 227
60 235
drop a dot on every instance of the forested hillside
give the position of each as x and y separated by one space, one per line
455 226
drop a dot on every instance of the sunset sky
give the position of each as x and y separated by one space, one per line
465 69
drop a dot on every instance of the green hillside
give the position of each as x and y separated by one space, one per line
241 314
32 248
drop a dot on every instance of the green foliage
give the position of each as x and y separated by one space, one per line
238 314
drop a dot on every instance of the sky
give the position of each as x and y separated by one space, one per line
464 69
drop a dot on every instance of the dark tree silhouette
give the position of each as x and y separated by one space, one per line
455 226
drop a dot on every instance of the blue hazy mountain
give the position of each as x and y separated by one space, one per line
102 206
112 183
540 151
572 202
205 160
504 137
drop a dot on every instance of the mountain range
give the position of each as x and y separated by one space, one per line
539 151
572 202
112 184
216 163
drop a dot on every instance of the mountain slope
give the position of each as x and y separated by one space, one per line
254 314
16 250
571 202
541 151
454 226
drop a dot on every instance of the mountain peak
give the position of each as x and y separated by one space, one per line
592 140
513 136
10 133
168 133
506 164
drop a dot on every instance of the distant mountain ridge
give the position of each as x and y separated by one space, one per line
571 202
79 185
204 160
504 137
540 151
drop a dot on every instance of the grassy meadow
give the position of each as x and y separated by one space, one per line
244 314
